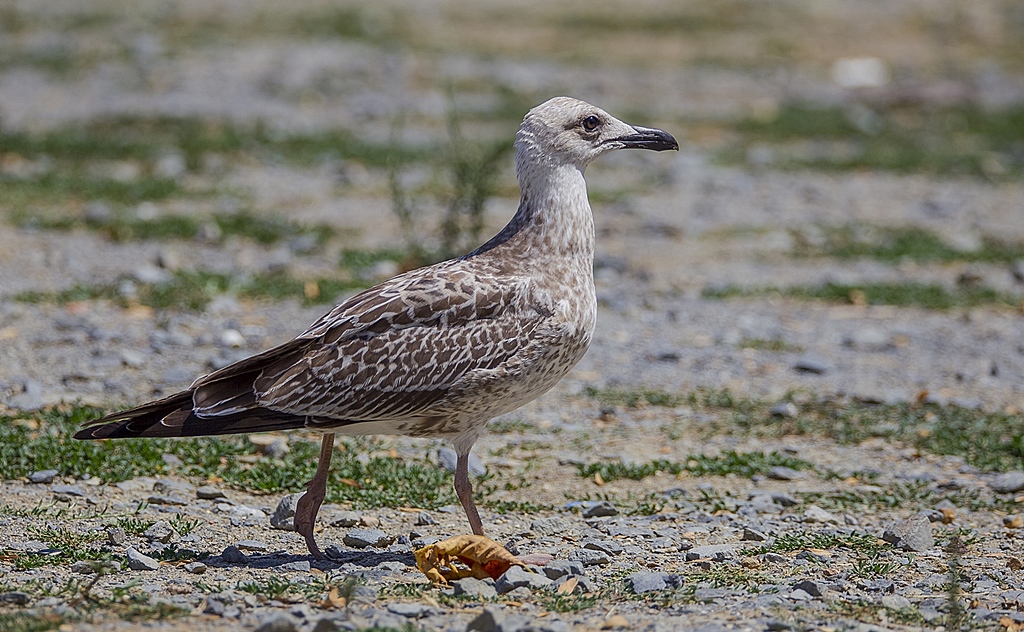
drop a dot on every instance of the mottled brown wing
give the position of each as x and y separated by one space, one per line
394 351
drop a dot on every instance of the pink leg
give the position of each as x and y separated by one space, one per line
464 490
309 504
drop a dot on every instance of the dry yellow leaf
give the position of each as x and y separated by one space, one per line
568 586
334 600
464 556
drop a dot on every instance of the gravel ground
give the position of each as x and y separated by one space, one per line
782 550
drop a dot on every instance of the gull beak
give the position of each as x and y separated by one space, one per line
648 138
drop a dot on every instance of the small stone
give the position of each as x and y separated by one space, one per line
1014 563
647 581
786 410
800 595
611 547
815 513
68 490
910 535
423 519
252 545
232 555
615 621
43 476
209 492
362 538
168 499
815 366
369 521
490 620
783 473
717 552
550 526
214 606
116 536
599 509
783 499
1008 482
139 562
161 531
895 602
753 535
196 568
590 557
448 459
1013 522
301 566
82 567
812 588
519 577
232 338
284 516
473 587
868 339
410 610
343 518
560 568
16 597
278 622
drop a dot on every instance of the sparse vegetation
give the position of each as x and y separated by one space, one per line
904 294
893 244
741 464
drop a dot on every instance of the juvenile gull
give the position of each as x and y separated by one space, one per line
438 351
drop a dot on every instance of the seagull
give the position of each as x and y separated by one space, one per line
437 351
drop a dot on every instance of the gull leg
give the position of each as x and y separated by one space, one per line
309 504
464 490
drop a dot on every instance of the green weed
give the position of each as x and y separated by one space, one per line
904 294
741 464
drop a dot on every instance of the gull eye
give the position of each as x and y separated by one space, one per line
591 123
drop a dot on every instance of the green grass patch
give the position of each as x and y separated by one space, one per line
893 244
54 187
769 344
42 440
146 138
953 140
187 290
125 227
903 294
744 464
789 542
633 397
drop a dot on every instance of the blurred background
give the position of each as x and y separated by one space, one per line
195 156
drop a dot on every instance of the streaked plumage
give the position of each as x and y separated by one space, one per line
438 351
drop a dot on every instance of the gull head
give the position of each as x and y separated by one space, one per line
566 131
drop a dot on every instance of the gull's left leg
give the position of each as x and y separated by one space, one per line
464 490
309 504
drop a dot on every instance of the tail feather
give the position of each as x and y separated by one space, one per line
173 416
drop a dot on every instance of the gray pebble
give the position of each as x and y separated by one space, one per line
168 499
896 602
716 552
476 588
815 366
284 516
812 588
68 490
16 597
590 557
753 535
786 410
1008 482
301 566
410 610
82 567
362 538
116 536
423 518
815 513
490 620
43 476
783 473
611 547
783 499
209 492
252 545
139 562
214 606
910 535
161 531
278 622
550 526
561 568
343 518
519 577
232 555
647 581
196 568
599 509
